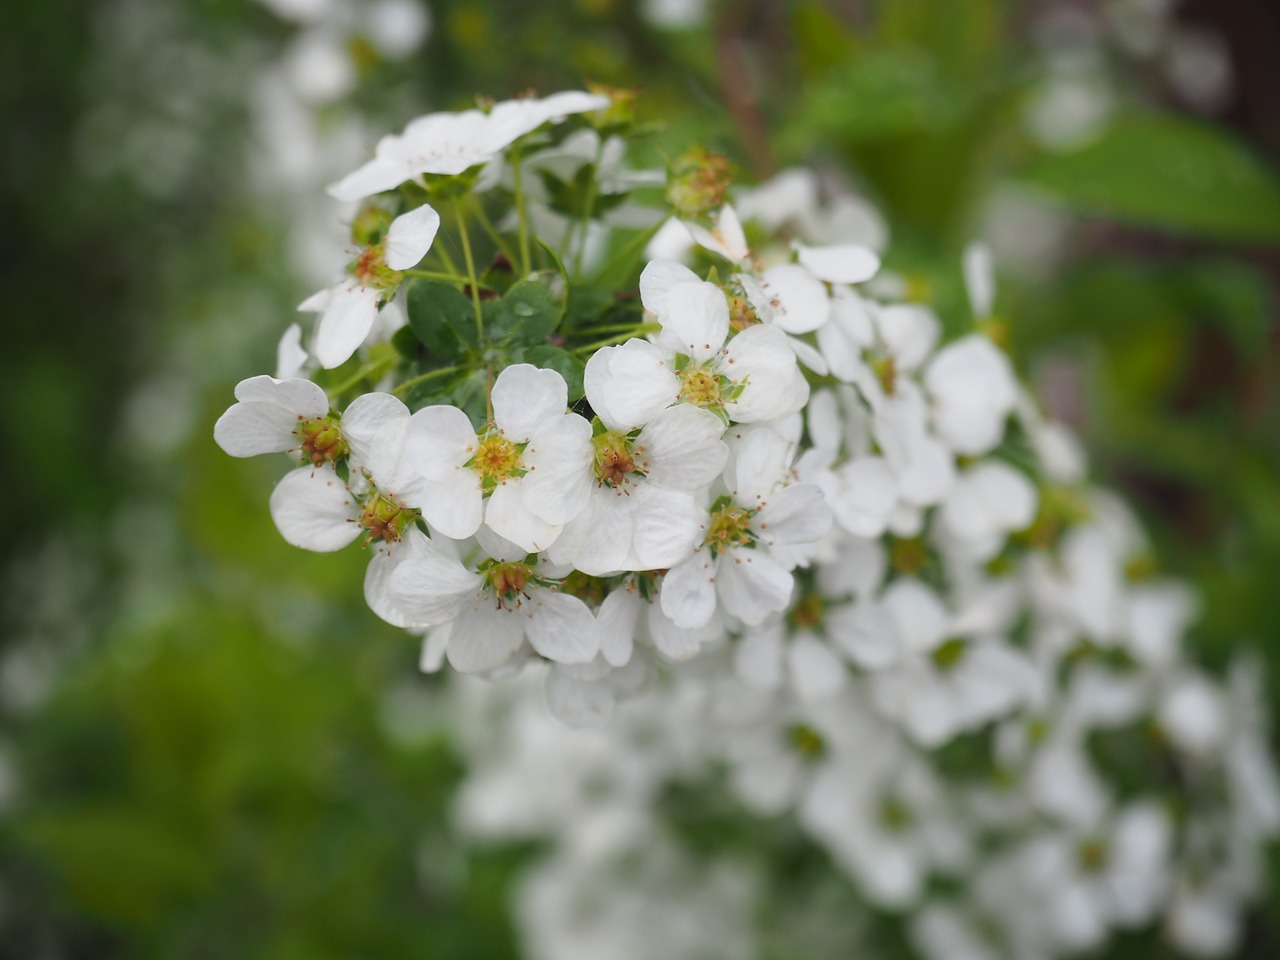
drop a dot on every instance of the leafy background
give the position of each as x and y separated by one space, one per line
208 746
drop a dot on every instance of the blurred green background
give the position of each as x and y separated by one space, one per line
208 746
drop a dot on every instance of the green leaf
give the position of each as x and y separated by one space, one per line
1170 173
443 318
562 362
529 312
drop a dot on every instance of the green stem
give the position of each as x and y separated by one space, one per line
437 275
628 250
526 263
369 370
634 331
587 204
430 375
471 270
493 234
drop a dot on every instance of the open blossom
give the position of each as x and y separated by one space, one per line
449 143
492 605
736 562
314 509
752 377
280 416
524 475
348 309
643 512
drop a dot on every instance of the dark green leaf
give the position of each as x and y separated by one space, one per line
442 318
562 362
1170 173
529 312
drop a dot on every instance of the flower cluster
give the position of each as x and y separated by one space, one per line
911 623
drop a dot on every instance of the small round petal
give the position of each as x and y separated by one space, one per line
697 320
918 614
439 441
752 585
632 385
816 672
667 526
689 591
800 303
794 514
313 510
726 237
761 359
657 279
558 459
430 590
618 616
909 331
561 628
411 236
507 515
345 323
524 397
840 263
682 447
484 636
452 504
580 704
251 428
673 642
374 426
980 279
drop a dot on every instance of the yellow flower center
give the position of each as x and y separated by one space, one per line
729 526
700 387
497 460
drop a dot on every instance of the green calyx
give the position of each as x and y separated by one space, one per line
615 460
320 439
386 519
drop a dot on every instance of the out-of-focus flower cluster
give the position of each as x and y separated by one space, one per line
761 518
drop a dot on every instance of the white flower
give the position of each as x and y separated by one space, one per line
315 510
349 308
973 391
753 377
449 143
279 416
736 560
642 512
493 606
987 502
525 476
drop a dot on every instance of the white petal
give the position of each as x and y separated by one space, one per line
253 428
979 278
558 458
432 590
485 636
800 303
816 672
909 331
757 657
410 237
725 237
682 448
440 440
561 628
794 514
918 614
313 510
697 320
638 385
658 277
689 591
579 704
374 177
374 426
761 358
617 618
866 494
866 633
672 641
453 504
667 526
752 585
507 515
345 323
841 263
525 396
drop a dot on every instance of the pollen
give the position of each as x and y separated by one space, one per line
497 460
701 388
729 526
